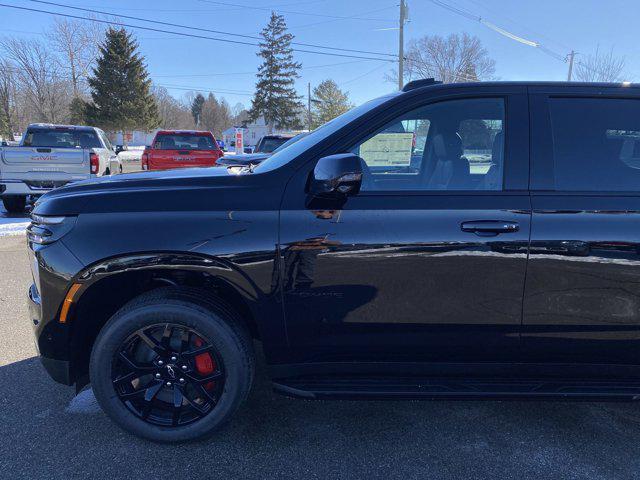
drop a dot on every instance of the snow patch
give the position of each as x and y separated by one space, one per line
12 226
84 403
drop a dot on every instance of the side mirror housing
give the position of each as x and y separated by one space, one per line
119 148
336 176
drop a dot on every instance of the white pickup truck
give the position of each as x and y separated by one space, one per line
50 156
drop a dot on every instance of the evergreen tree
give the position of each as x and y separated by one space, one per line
276 99
196 108
329 102
77 111
120 87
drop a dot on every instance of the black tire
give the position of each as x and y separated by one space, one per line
216 321
15 203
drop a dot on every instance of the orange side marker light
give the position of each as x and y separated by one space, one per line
68 301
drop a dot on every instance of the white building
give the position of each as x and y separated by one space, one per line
253 132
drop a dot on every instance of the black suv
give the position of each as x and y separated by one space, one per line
473 240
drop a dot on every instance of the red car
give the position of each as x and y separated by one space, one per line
181 148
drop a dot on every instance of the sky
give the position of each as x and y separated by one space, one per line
228 70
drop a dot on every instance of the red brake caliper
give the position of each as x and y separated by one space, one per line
205 364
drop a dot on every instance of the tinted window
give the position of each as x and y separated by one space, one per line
452 145
269 144
185 142
596 144
286 155
61 138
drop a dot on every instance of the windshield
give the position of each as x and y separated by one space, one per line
61 138
284 156
290 141
177 141
270 144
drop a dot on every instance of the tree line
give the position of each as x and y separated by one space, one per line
80 73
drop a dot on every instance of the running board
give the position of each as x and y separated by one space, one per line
440 388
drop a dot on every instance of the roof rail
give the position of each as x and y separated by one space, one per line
423 82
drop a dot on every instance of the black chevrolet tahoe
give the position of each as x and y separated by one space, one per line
446 241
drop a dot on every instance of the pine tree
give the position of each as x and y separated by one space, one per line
196 108
120 87
329 102
276 99
77 111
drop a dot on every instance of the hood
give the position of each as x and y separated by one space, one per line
209 188
243 159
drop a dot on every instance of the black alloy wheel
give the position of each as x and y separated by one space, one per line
168 375
174 364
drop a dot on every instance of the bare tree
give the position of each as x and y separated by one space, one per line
600 67
216 115
456 58
173 113
77 43
45 90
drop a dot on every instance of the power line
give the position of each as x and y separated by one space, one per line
267 9
323 22
471 16
223 74
202 37
190 27
477 18
201 89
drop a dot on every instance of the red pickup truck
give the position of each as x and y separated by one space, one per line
181 148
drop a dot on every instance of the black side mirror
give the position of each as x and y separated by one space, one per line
336 176
120 148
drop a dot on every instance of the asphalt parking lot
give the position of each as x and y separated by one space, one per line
47 432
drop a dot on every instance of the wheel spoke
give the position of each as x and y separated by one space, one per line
198 351
152 392
165 342
151 343
198 409
206 394
177 397
202 380
127 378
140 369
175 418
184 340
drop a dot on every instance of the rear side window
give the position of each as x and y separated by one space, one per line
50 138
61 138
185 142
596 144
270 144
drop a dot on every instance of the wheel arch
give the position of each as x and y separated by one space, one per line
109 284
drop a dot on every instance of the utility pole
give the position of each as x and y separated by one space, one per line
403 13
571 56
309 104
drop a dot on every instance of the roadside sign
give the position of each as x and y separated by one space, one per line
239 141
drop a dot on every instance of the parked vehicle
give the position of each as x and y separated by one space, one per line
181 148
255 158
269 143
500 261
50 156
120 148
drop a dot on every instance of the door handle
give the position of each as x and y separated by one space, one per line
489 227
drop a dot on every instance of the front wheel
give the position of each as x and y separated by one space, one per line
172 365
15 203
